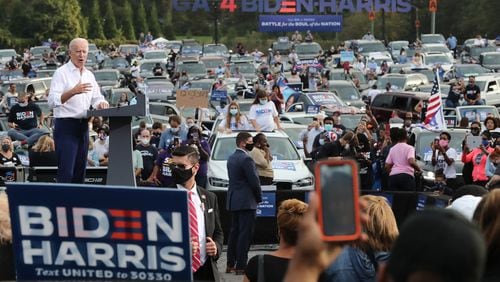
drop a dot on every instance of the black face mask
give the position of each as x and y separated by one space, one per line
474 132
5 147
181 176
156 134
249 147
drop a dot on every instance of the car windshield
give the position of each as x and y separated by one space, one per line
215 49
423 146
346 92
245 107
281 149
148 66
437 48
432 38
399 45
307 49
159 83
7 53
128 49
294 133
343 76
281 45
470 69
39 50
244 68
438 59
201 84
191 49
371 47
116 63
476 51
474 113
350 121
302 120
491 59
325 99
106 76
6 75
155 55
398 82
193 68
213 63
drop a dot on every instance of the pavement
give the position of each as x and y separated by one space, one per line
254 250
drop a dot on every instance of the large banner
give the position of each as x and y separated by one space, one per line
76 232
317 23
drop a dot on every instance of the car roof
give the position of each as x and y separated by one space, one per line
341 82
421 95
233 134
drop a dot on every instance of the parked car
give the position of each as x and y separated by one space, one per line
490 60
490 89
385 103
470 55
394 47
306 51
434 38
347 92
215 50
110 78
6 55
476 113
158 88
290 171
326 101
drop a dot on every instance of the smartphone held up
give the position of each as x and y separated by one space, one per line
337 187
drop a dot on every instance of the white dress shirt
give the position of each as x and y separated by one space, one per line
200 217
64 79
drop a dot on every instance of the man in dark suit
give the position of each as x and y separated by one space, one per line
244 193
207 246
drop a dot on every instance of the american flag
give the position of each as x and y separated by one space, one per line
434 117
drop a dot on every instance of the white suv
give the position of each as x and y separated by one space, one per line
289 168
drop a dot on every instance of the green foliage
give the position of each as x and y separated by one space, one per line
95 25
109 21
141 24
127 25
154 24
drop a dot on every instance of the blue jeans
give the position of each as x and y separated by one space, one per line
29 135
451 104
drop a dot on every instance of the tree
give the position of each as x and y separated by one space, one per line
95 22
110 29
154 24
127 23
141 24
59 20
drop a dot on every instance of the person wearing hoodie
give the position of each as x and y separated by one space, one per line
359 262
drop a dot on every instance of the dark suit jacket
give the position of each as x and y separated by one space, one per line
213 227
244 192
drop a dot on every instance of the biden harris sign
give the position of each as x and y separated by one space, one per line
76 232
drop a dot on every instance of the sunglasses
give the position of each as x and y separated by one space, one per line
179 166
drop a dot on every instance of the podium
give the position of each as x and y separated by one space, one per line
120 166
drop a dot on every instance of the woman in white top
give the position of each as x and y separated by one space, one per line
263 114
234 120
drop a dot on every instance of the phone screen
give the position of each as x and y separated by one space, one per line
337 196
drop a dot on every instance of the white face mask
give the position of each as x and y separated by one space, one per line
145 141
321 141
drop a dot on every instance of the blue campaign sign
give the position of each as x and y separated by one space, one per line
312 109
267 208
218 95
317 23
347 56
75 232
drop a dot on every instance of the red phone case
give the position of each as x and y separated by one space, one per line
357 233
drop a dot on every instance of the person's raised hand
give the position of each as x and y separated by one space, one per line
103 105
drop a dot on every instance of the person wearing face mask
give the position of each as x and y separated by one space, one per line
263 114
162 173
344 147
156 131
326 135
261 154
478 157
149 153
7 156
175 130
190 122
234 119
207 236
443 158
243 195
101 146
475 129
197 141
25 120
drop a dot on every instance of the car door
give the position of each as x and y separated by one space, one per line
492 92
